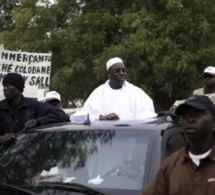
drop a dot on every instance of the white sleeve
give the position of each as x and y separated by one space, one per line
144 105
93 105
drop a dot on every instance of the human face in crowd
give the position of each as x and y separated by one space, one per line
197 124
10 91
209 80
117 75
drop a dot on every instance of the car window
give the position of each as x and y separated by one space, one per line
102 159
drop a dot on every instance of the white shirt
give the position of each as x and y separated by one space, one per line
128 102
196 158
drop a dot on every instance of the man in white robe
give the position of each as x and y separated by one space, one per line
117 98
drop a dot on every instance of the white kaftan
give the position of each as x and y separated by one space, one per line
128 102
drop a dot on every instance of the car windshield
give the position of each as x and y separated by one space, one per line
94 158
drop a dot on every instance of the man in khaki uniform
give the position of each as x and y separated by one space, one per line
208 89
209 80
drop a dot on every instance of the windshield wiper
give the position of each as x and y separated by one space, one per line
7 187
71 187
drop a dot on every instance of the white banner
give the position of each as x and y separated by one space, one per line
34 67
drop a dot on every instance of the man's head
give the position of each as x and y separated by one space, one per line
116 72
209 76
13 85
53 98
197 117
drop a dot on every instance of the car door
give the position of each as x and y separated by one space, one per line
172 140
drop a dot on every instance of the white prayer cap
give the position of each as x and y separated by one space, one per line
210 70
51 95
113 61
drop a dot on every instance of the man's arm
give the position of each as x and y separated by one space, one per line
5 139
53 115
46 114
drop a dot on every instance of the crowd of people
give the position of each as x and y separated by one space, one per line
116 99
187 171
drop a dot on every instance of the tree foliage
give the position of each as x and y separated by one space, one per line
165 44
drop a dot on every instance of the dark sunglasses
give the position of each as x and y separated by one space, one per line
117 70
208 76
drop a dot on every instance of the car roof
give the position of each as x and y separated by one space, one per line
157 123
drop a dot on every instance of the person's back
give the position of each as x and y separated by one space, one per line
117 98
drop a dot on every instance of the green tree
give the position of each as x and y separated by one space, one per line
165 44
6 21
